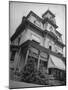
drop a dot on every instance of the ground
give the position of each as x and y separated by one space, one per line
16 84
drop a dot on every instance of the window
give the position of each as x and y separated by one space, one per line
50 71
51 28
50 44
50 47
12 55
45 64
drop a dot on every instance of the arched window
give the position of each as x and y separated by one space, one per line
50 45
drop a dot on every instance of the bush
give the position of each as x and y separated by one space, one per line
31 75
28 72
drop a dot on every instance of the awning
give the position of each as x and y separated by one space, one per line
55 62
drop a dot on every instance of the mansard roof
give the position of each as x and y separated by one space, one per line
26 22
31 12
19 29
48 11
37 29
41 19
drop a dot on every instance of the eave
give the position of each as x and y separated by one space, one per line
58 33
60 43
20 28
42 32
14 47
35 28
26 23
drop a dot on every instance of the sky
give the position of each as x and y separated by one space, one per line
18 10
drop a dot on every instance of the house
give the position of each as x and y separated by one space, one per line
38 38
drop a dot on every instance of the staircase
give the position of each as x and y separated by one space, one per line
54 82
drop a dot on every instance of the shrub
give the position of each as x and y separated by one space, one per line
31 75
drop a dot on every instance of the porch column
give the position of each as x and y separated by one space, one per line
17 60
38 60
26 56
61 74
47 62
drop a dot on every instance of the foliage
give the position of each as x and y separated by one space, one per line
30 74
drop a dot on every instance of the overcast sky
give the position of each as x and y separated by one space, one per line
18 10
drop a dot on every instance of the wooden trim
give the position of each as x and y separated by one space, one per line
26 56
38 60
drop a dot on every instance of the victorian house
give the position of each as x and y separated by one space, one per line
38 38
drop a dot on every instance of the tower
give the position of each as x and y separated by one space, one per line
49 21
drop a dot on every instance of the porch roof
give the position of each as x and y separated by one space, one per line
30 43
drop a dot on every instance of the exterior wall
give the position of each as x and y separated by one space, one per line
46 42
60 39
27 35
45 26
58 49
35 21
48 26
49 42
15 42
23 36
